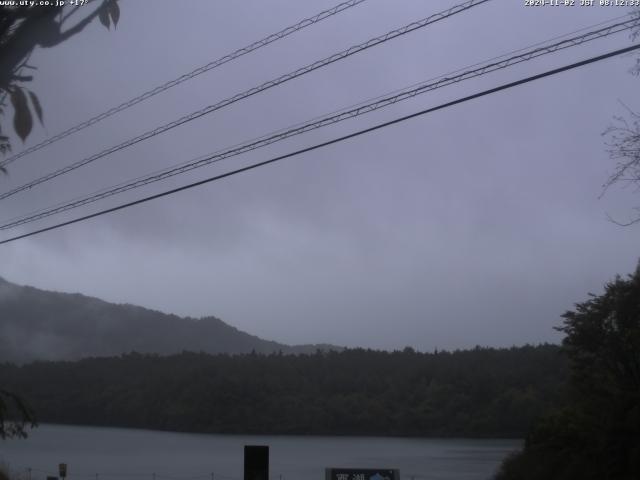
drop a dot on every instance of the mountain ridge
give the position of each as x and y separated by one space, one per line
40 324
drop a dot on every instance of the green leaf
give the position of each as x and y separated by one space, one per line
114 11
22 121
36 106
104 16
5 146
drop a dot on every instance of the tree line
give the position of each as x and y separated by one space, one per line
482 392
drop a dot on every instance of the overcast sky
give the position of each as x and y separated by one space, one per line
478 224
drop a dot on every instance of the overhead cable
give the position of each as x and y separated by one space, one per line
361 109
379 126
252 91
307 22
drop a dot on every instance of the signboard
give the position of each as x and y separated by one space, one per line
62 470
362 474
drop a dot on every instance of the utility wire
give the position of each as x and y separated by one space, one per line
282 134
361 109
252 91
379 126
307 22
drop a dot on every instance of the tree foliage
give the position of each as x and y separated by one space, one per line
483 392
15 415
22 29
596 435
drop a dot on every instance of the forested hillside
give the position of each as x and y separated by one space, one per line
41 325
479 392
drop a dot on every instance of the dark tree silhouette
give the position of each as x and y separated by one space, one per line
597 434
15 415
22 29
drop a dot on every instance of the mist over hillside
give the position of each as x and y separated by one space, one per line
42 325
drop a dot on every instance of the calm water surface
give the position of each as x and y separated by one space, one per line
126 454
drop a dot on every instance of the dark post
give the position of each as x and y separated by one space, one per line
256 462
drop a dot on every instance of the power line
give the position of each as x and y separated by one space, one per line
252 91
361 109
307 22
330 142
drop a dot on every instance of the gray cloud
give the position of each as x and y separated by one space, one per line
479 224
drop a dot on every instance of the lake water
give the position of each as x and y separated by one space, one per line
126 454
